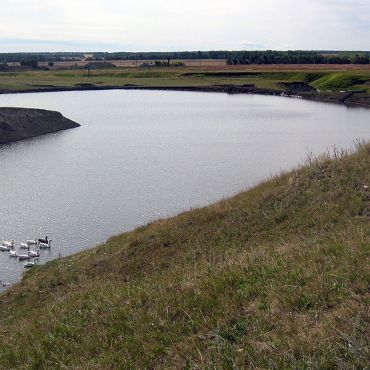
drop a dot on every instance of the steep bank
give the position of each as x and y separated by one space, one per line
23 123
275 277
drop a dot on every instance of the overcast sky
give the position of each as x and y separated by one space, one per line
167 25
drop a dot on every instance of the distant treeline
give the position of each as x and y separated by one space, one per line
165 55
39 57
296 57
232 57
248 57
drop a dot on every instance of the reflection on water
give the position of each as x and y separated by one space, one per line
140 155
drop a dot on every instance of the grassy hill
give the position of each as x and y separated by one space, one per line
275 277
348 77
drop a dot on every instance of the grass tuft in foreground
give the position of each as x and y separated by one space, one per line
275 277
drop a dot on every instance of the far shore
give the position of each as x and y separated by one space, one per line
350 98
344 84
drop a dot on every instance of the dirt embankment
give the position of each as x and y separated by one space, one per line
358 99
350 98
23 123
296 87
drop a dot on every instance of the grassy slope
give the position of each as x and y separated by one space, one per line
275 277
324 80
342 81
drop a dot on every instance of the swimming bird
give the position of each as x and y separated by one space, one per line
5 248
31 263
8 243
32 242
24 246
47 245
34 253
44 240
13 253
23 257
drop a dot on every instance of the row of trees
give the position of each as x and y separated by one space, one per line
39 57
248 57
294 57
232 57
164 55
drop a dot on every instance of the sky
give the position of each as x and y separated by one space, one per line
169 25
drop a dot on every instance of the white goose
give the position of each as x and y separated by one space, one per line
34 253
8 243
30 264
13 253
45 245
23 257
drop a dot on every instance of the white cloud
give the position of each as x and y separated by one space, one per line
183 25
250 45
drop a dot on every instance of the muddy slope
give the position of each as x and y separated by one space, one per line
23 123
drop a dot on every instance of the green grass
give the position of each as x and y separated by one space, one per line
340 81
274 277
325 80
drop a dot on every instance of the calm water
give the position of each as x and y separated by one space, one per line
140 155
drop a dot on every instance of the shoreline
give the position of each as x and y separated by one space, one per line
18 124
349 99
249 245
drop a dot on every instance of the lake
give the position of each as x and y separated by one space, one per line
142 155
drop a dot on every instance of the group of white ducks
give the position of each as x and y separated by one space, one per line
8 246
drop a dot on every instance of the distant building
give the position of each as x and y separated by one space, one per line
89 56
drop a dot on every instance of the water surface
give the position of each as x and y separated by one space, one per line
140 155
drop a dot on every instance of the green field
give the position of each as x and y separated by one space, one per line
275 277
167 77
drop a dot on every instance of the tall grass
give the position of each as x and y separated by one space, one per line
275 277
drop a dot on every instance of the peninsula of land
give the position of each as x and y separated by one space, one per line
23 123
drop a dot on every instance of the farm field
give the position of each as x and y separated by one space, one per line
322 77
219 64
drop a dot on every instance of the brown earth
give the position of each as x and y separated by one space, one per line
296 87
23 123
